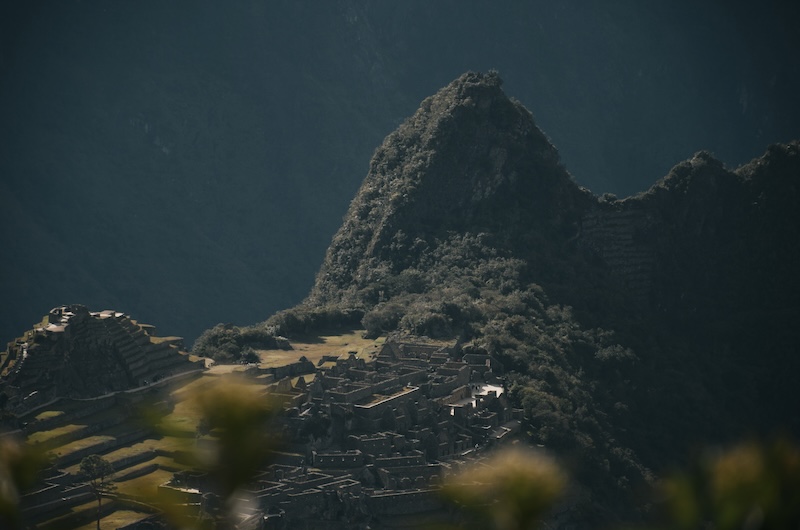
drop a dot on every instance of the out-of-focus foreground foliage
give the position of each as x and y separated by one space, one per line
19 468
753 486
237 419
513 489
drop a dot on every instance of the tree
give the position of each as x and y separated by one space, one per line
98 474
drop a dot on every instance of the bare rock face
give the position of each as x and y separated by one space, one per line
77 353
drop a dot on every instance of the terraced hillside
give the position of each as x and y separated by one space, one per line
110 426
76 353
149 433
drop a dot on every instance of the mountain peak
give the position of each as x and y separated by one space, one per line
603 312
470 123
471 90
469 161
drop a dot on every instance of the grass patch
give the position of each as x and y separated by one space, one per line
116 519
159 340
46 415
191 386
108 435
146 485
43 436
72 518
314 348
121 453
171 444
131 450
83 443
168 464
183 418
164 463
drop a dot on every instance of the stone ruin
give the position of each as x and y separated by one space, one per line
370 438
77 353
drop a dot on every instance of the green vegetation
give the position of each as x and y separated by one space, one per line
514 489
229 343
494 246
750 485
145 486
84 443
315 347
98 474
76 515
49 414
314 332
44 436
19 468
117 519
630 330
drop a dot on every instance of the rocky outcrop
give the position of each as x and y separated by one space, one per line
77 353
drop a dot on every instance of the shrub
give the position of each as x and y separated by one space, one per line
382 319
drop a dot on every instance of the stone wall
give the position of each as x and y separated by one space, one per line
619 236
338 459
374 410
77 353
403 502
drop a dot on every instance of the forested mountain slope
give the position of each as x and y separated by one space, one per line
631 329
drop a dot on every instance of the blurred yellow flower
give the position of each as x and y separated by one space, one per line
514 488
752 486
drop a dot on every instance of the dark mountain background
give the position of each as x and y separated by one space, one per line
188 162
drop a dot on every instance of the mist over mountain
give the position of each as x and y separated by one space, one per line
187 163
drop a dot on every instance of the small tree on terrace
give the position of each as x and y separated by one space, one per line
98 473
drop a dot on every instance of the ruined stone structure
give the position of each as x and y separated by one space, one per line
370 437
76 353
389 428
91 419
620 234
